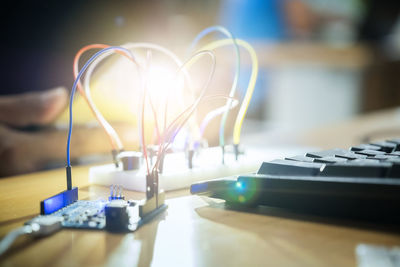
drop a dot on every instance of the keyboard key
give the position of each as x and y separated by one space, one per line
357 168
395 142
370 152
301 158
326 153
382 157
290 167
394 153
365 147
385 146
351 155
329 160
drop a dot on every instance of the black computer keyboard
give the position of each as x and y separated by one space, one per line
362 182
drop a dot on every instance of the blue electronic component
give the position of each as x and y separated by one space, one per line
116 192
198 188
59 201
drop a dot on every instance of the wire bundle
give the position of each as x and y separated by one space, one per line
170 129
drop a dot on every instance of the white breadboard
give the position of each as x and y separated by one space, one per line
176 174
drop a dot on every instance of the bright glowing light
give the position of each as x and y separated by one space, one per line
239 185
161 82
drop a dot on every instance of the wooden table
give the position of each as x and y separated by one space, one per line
194 231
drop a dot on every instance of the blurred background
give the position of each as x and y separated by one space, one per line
321 61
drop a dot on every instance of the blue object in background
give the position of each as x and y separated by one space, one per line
254 21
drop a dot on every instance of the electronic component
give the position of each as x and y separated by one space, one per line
133 173
58 201
45 225
37 227
116 192
82 214
160 169
130 160
117 216
367 188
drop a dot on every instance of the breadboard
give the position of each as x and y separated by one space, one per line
207 164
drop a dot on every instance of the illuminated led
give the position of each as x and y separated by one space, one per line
160 80
58 201
239 185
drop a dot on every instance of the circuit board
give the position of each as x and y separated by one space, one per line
115 214
82 214
92 215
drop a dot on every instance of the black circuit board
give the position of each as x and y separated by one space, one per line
83 214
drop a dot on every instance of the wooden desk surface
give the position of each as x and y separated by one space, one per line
194 231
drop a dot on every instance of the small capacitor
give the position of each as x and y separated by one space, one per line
130 160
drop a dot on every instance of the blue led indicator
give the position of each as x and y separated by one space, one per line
59 201
53 204
239 185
